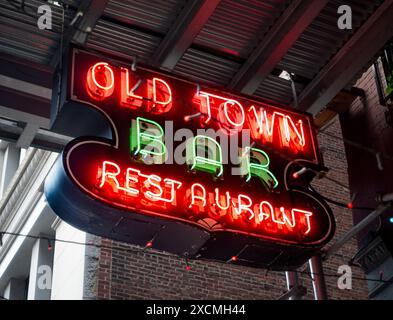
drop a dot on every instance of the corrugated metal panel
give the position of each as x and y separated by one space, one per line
20 35
136 27
277 90
322 39
315 47
113 38
236 26
201 66
157 15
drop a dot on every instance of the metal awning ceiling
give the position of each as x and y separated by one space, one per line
20 36
241 45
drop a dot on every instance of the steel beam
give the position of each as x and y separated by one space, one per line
182 33
25 90
295 291
80 27
350 59
292 280
26 70
318 278
354 231
27 136
23 107
11 131
24 101
281 37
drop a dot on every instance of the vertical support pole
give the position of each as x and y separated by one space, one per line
40 280
378 82
69 263
292 282
294 93
15 289
318 278
10 165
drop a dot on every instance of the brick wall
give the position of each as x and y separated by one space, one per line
335 159
365 123
145 275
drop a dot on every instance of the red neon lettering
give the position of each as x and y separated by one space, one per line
156 190
100 81
161 95
128 98
243 205
202 99
174 185
263 215
306 216
218 199
132 177
267 217
153 181
199 197
230 112
227 110
256 122
263 126
152 187
284 217
294 133
268 133
110 173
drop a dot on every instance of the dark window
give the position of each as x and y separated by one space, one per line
383 68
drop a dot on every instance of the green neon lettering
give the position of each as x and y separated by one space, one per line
204 154
255 162
146 139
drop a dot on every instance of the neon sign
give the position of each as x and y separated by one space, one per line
128 186
131 186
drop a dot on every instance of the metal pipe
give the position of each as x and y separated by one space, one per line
354 231
318 278
294 93
292 282
295 291
388 197
378 83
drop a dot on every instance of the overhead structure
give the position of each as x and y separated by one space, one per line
182 33
227 45
280 38
81 25
238 45
351 58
